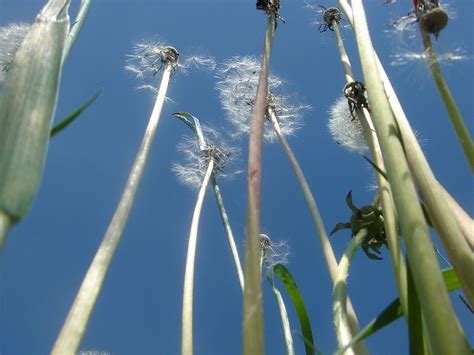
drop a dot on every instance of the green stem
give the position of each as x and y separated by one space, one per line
253 310
448 100
75 325
77 26
341 319
444 332
187 320
228 230
389 213
328 252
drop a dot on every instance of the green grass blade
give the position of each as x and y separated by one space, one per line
394 311
295 295
68 120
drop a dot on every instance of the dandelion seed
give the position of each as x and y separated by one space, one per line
237 86
11 37
199 62
273 253
404 56
195 160
346 131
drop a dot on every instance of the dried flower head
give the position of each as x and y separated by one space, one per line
11 37
273 253
149 57
237 86
345 130
196 159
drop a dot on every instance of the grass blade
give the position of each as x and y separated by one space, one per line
287 279
71 117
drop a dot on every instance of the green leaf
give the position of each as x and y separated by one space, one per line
394 311
298 303
68 120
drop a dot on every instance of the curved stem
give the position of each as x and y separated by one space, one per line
75 325
77 26
448 100
253 310
328 252
341 319
228 230
187 320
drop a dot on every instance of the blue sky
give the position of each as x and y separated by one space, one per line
139 310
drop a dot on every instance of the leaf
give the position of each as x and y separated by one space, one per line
299 305
394 311
68 120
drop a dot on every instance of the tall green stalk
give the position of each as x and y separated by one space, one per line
75 325
390 218
341 317
77 25
188 289
253 311
448 100
328 252
444 332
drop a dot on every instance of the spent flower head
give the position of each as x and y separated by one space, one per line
237 87
345 130
196 159
11 37
273 253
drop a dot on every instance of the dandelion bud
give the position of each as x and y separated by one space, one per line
345 130
11 37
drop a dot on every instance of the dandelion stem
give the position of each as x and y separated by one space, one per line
390 219
228 230
75 325
77 26
448 100
187 320
253 310
328 252
444 331
341 319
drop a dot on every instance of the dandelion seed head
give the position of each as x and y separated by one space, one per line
237 87
191 170
345 130
149 57
11 37
273 252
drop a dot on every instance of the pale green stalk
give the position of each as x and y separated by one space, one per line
285 321
75 325
389 214
341 318
444 332
187 320
228 230
328 252
5 223
253 342
451 107
77 25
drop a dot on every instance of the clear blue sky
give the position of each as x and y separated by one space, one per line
139 310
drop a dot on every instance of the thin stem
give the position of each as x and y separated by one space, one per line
5 224
187 320
444 331
77 26
448 100
285 321
253 310
328 252
389 213
341 319
75 325
228 230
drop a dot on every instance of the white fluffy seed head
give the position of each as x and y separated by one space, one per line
273 253
345 130
192 169
237 87
11 37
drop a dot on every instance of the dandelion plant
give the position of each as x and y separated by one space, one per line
193 170
147 58
444 332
